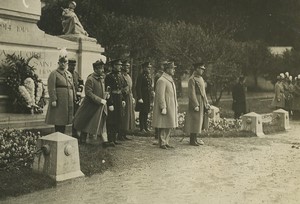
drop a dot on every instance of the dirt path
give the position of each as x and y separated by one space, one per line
225 170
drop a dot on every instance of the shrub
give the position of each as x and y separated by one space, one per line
17 148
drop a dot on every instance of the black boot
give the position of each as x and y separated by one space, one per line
120 137
193 140
83 136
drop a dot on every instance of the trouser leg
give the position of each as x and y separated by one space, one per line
164 136
83 136
60 128
156 133
141 120
144 116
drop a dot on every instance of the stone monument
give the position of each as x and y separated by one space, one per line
20 35
60 157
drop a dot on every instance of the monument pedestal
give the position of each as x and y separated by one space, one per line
21 36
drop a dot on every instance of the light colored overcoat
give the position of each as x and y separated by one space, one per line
165 97
197 97
60 89
279 99
87 117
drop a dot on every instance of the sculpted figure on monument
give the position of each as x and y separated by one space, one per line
70 21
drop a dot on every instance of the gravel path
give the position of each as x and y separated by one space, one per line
224 170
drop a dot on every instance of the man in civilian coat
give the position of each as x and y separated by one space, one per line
158 74
116 102
91 115
61 95
198 103
144 92
165 106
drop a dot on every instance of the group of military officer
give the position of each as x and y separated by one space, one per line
108 108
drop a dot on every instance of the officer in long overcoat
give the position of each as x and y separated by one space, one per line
198 103
91 115
61 96
144 92
78 85
128 116
116 102
165 106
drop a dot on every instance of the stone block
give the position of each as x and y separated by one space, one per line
214 114
281 117
60 157
252 122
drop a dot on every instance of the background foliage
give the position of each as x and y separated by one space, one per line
231 37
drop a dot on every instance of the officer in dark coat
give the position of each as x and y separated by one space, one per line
116 102
144 91
239 98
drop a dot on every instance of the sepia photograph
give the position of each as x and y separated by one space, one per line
150 101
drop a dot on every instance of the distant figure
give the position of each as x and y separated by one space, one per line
239 98
61 95
288 93
165 106
279 98
296 98
70 21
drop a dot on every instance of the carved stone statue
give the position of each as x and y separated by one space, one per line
70 21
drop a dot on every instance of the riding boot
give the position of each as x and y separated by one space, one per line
193 140
83 136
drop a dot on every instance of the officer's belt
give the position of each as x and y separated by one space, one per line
70 87
116 92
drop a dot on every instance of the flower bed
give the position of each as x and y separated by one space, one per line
17 148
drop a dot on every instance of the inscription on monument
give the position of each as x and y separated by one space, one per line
10 27
43 64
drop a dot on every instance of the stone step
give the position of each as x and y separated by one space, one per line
29 122
22 123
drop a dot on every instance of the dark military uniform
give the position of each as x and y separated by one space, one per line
239 100
115 81
144 91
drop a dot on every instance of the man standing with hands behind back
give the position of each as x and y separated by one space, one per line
198 103
165 106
